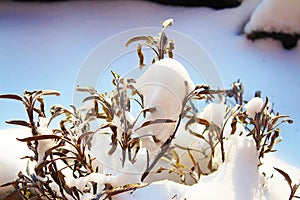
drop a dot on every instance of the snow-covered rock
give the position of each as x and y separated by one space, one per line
276 19
275 16
217 4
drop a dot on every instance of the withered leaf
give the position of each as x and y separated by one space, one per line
115 75
86 134
156 121
19 123
138 38
141 56
175 156
39 137
201 86
233 125
86 89
166 23
50 92
124 188
11 96
161 169
285 175
114 139
202 121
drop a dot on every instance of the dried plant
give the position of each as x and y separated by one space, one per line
199 92
263 128
63 153
58 150
115 112
180 169
159 44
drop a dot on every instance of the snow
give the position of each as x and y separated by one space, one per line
253 106
230 178
10 162
81 182
237 178
214 113
44 145
38 40
276 16
66 29
171 86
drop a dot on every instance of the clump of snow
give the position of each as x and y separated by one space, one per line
253 106
82 182
164 86
44 145
214 113
275 16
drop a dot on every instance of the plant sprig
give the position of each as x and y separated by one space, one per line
159 44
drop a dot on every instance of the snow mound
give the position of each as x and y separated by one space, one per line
237 178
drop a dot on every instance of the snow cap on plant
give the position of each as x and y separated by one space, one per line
214 113
253 106
164 86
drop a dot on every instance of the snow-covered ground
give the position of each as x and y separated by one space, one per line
44 44
237 178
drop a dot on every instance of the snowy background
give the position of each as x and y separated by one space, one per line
42 46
